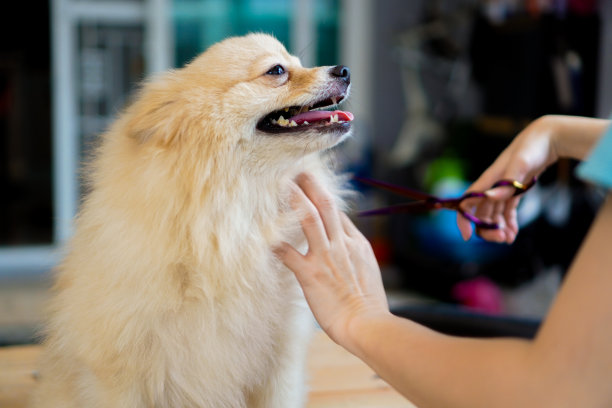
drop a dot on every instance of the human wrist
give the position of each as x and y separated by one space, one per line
560 136
555 135
363 331
573 136
551 127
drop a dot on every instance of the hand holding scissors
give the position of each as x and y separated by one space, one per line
427 202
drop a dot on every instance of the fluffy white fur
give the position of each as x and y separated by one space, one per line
170 295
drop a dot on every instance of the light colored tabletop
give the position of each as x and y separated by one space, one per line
337 378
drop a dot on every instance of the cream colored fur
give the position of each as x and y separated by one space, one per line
170 295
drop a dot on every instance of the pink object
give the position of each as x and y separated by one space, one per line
480 294
583 7
315 116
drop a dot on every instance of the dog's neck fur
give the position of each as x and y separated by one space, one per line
217 204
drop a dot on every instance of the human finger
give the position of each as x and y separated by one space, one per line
349 228
310 220
483 183
292 259
324 203
507 192
465 227
510 216
496 207
499 219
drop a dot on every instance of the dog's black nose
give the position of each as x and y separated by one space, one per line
342 72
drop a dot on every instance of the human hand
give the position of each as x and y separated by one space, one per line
339 274
529 154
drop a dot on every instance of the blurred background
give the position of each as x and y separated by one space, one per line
439 89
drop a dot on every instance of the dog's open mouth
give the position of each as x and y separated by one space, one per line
300 118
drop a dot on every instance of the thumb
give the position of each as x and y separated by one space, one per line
509 189
500 193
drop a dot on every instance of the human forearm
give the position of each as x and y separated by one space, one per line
568 364
435 370
574 341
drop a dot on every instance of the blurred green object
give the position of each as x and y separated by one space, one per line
444 168
201 23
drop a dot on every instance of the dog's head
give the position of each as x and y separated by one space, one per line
247 92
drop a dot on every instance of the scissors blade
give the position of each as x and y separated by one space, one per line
417 206
403 191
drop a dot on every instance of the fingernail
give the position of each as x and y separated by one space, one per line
492 193
302 177
499 193
279 250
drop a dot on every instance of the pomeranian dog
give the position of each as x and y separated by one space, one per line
170 294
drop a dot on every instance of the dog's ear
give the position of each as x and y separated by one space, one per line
161 122
158 115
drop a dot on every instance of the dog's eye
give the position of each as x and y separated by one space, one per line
276 70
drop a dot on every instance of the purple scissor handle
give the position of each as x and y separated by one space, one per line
427 202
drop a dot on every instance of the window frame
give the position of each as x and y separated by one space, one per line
25 261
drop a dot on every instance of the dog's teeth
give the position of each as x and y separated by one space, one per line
306 123
333 119
282 121
292 124
286 109
334 100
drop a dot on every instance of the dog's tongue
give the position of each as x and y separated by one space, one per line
315 116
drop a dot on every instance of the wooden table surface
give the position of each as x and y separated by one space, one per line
337 378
